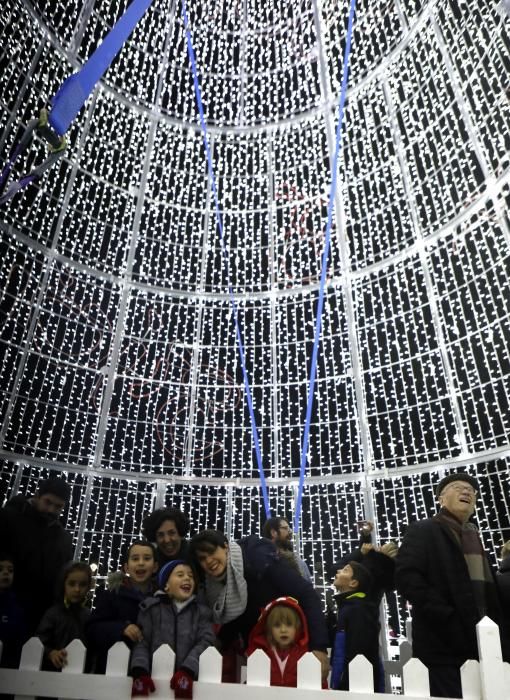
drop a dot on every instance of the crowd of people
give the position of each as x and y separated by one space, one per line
249 594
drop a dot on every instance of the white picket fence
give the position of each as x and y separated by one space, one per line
488 679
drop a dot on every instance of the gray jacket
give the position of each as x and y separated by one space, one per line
188 631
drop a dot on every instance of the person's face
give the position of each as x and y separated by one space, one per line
344 578
76 586
283 534
140 565
49 504
459 498
214 563
168 539
181 583
6 574
283 634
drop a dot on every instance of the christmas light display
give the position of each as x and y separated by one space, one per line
118 356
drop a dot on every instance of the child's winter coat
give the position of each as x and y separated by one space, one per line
116 608
13 629
186 627
61 624
357 633
283 663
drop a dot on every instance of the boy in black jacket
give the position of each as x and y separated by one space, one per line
357 626
114 618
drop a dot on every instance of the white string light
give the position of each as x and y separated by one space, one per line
118 362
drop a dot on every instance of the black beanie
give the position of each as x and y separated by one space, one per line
57 487
456 476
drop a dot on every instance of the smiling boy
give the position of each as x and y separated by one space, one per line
117 607
172 616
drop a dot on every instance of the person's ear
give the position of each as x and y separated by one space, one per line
154 567
124 567
353 583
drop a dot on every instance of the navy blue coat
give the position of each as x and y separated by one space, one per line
357 633
116 608
13 629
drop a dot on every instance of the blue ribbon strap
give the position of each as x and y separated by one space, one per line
74 92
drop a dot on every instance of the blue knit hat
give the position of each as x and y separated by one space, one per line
166 570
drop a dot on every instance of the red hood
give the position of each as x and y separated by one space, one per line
258 639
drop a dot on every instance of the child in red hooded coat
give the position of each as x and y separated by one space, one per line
282 632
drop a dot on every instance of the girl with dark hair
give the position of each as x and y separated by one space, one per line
65 621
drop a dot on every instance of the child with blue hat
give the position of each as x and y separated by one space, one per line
172 616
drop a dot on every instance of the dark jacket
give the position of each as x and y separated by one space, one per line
40 547
432 575
357 633
188 631
61 624
503 581
258 640
116 608
268 577
13 629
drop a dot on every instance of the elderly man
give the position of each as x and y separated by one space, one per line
31 531
443 571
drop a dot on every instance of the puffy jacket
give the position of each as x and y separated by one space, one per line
187 630
357 633
286 675
61 624
116 608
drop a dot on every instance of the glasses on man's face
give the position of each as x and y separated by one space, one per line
461 488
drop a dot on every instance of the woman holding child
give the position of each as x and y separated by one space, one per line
243 577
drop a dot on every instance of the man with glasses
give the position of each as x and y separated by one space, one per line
279 532
443 571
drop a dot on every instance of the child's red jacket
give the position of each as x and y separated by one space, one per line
257 640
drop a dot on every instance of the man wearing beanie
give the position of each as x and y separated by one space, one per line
443 571
30 529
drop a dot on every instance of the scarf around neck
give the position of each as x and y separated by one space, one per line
228 596
468 539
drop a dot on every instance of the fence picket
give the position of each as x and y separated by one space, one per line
361 675
416 679
210 666
470 678
309 672
491 662
258 670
